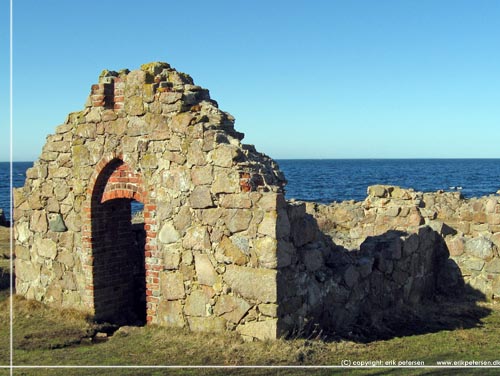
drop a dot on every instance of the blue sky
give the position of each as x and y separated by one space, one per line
304 79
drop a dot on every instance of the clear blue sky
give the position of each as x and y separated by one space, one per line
304 79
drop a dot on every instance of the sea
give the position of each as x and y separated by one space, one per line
329 180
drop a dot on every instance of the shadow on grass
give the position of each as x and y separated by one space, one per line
38 327
446 304
443 312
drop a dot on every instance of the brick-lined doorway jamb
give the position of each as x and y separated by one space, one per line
114 179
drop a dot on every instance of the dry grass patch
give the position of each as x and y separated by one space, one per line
37 326
49 336
4 311
37 342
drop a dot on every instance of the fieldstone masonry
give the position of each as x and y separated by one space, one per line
219 247
152 136
469 227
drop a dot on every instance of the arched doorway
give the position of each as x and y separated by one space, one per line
118 246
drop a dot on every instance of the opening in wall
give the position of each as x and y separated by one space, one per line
119 262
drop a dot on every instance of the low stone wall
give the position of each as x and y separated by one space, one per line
325 287
470 227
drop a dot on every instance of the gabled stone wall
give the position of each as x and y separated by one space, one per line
152 136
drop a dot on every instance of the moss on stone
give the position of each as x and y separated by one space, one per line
148 90
155 67
77 117
149 161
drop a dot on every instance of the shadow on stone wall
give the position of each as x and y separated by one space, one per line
396 284
438 300
119 264
139 274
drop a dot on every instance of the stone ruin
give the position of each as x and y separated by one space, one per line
470 228
219 247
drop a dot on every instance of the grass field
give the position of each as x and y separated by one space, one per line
45 336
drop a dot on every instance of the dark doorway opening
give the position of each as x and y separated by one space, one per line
119 240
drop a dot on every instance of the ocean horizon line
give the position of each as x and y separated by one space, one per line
348 159
386 158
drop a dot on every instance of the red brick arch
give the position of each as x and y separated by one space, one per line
115 179
124 183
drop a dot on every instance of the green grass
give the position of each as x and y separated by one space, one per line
46 336
4 314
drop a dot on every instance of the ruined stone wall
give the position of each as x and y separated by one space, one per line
470 227
219 247
152 136
324 287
